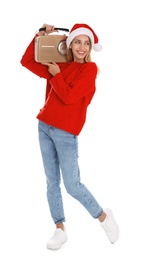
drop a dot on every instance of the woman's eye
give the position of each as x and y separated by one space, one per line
86 43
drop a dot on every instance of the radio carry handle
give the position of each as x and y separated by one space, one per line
56 28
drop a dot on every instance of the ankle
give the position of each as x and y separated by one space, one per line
102 217
60 225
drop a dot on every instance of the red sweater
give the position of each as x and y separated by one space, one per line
68 93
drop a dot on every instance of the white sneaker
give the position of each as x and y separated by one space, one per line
59 237
110 226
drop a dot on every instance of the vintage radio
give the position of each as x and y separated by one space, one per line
51 47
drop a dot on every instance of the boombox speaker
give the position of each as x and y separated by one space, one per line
51 47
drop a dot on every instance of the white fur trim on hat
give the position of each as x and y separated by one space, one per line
83 31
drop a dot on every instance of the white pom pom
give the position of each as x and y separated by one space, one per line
97 47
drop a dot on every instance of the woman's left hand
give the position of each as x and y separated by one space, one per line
53 68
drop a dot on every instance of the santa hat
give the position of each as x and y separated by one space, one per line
85 29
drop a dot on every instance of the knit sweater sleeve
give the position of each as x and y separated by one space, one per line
29 62
80 85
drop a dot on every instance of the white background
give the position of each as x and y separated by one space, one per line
113 144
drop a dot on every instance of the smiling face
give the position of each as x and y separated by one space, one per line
80 47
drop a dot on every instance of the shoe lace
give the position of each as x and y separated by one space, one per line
107 228
56 235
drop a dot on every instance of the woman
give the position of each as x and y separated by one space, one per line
70 87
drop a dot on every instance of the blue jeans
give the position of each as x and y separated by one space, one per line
59 151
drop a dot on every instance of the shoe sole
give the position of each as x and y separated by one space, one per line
55 247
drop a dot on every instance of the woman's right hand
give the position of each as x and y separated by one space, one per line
49 29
